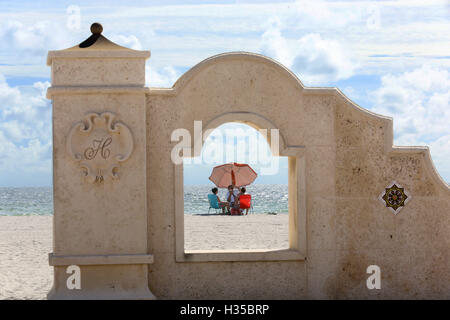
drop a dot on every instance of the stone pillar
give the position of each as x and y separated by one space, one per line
99 171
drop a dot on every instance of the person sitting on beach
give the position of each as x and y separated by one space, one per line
231 195
222 204
243 190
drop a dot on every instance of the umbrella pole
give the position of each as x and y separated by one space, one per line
233 178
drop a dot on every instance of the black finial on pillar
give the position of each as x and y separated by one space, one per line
96 28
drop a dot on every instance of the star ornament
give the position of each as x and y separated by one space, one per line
394 197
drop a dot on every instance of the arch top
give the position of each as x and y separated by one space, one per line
205 72
238 56
233 56
255 121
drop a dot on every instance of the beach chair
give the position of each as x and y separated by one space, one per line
213 202
235 212
245 202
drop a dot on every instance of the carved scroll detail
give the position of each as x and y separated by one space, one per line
99 144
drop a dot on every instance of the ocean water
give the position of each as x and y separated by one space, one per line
26 201
266 198
39 200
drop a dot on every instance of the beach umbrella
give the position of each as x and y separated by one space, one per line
238 174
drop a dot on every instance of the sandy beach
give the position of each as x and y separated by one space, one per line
253 231
25 242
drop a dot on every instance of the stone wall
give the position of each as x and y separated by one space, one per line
349 163
112 162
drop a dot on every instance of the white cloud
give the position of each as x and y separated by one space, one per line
329 14
418 100
275 45
314 59
163 77
38 37
127 41
25 133
9 96
322 60
184 34
419 103
440 151
351 93
23 109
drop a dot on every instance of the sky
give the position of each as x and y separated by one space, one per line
237 142
391 57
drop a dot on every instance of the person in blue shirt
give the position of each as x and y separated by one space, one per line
222 204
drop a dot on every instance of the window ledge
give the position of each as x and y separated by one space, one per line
240 255
88 260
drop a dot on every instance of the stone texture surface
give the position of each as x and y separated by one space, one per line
226 280
105 217
95 216
90 72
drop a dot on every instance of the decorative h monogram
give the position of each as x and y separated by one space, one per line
99 144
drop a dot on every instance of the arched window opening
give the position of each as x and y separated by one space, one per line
225 224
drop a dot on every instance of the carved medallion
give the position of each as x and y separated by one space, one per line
99 144
394 197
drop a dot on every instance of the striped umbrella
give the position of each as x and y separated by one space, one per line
237 174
